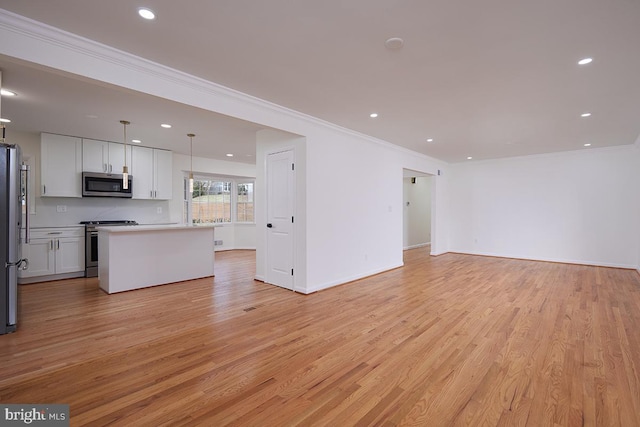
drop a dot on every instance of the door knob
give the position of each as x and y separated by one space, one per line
269 225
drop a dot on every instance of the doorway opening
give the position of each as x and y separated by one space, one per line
417 219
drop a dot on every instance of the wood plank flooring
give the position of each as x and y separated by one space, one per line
451 340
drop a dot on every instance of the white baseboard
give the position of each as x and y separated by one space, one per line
239 248
348 279
434 253
559 260
419 245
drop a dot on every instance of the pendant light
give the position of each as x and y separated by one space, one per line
191 135
125 169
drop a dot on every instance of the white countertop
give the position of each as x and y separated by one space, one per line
157 227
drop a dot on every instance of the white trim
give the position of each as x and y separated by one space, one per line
558 260
236 248
434 253
350 279
583 151
55 38
419 245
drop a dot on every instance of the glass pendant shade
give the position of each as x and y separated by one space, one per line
125 177
125 168
191 135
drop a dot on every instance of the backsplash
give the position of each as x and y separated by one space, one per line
60 211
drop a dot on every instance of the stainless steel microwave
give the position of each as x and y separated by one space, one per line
104 185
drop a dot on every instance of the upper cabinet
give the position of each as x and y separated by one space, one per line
162 174
151 172
102 156
60 166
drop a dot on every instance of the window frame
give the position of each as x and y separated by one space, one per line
235 181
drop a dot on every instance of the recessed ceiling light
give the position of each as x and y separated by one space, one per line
430 140
394 43
585 114
229 155
585 61
91 116
137 141
146 13
166 126
373 115
587 145
5 92
469 158
5 120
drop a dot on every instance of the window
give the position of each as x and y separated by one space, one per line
244 203
219 201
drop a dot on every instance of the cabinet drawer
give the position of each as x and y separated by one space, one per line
53 233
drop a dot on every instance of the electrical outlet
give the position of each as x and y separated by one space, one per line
159 209
217 243
61 208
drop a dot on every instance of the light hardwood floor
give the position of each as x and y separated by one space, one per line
451 340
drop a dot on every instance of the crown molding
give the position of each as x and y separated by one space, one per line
55 37
556 154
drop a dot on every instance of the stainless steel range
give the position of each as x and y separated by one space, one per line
91 243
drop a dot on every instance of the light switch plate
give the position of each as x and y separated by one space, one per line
61 208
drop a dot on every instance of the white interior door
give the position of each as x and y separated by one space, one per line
280 203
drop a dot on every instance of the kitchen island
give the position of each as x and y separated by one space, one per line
141 256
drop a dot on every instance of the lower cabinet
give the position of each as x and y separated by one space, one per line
53 253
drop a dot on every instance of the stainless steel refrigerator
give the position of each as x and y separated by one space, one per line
13 187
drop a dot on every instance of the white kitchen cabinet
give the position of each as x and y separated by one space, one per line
53 253
41 258
162 174
60 166
103 156
152 171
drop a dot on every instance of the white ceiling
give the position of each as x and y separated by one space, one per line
484 79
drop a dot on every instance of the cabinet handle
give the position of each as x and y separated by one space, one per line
104 167
51 244
44 189
110 168
55 232
58 243
151 193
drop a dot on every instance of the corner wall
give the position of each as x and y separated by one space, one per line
576 207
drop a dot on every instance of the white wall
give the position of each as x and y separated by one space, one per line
637 148
417 212
354 206
578 207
